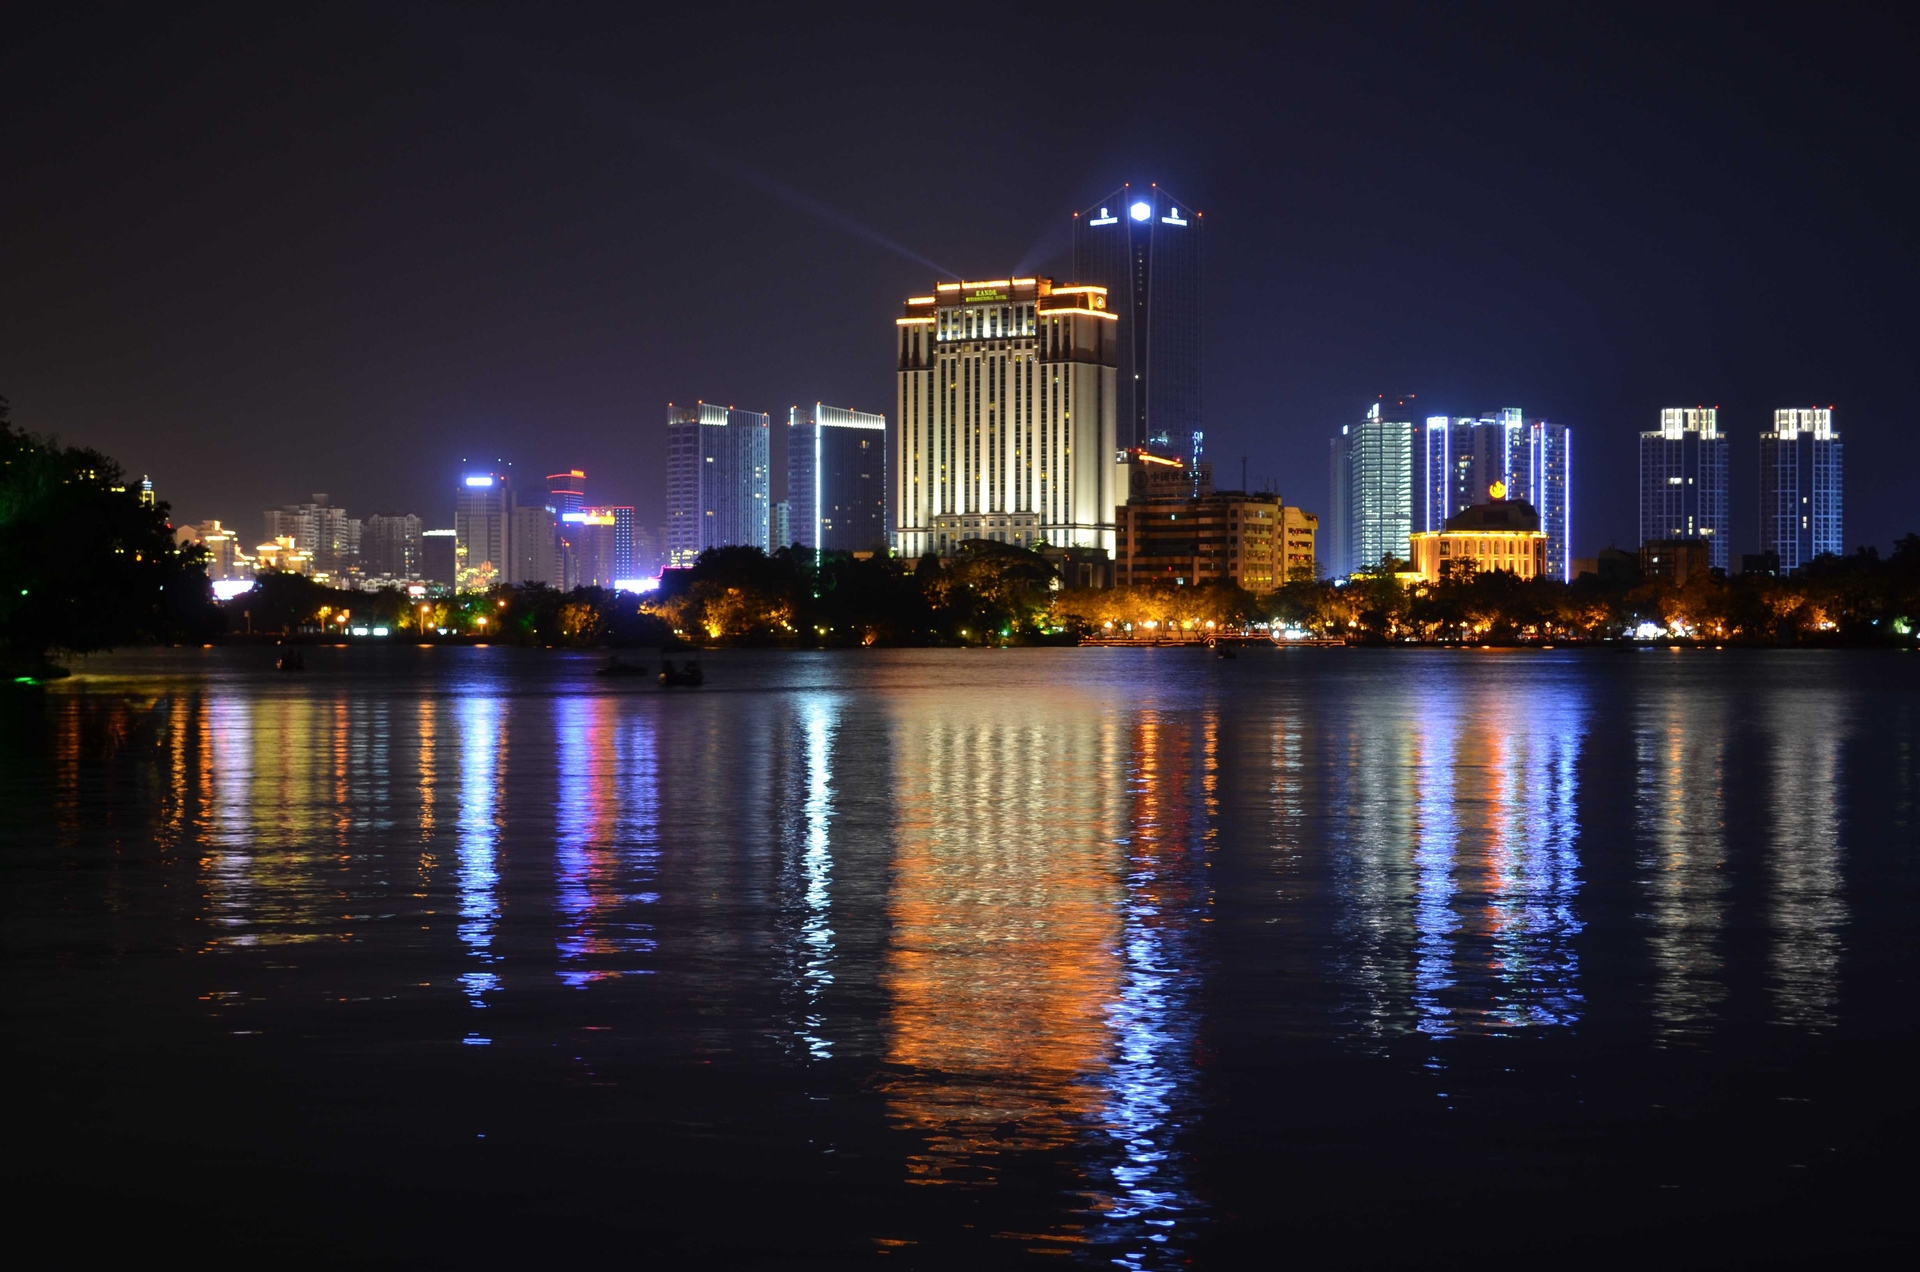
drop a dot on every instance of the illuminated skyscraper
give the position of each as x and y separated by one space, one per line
1800 487
1005 425
1372 508
1143 246
592 550
1530 459
718 488
566 491
837 479
483 530
1683 480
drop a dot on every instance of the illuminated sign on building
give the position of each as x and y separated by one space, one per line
479 481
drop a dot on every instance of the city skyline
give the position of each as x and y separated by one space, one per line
498 287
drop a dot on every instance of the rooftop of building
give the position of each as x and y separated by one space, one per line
1500 514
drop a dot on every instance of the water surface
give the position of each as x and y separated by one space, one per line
954 958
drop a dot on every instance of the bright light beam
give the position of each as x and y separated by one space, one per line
606 104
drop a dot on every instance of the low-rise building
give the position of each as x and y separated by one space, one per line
1504 534
1676 560
1165 533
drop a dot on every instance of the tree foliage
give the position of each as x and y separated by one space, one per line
84 564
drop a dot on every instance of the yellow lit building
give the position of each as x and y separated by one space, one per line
1502 535
1005 421
1299 530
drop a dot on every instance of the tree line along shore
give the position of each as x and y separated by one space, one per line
86 565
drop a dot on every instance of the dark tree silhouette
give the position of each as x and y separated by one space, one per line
84 565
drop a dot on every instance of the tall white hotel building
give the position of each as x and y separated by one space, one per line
1006 420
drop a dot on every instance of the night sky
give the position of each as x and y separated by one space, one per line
260 254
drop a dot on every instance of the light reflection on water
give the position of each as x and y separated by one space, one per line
482 740
991 905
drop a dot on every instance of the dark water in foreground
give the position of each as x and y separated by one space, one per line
964 958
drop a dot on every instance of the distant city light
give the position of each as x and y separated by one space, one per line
1142 210
227 589
637 585
479 481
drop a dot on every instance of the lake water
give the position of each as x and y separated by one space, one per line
963 958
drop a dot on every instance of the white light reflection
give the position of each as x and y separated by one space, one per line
1152 1016
1805 911
1680 754
816 932
479 876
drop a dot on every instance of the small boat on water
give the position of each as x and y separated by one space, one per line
688 677
292 660
615 667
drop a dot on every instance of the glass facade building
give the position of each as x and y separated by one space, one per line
719 492
1683 480
836 479
1143 246
1532 459
1372 493
1800 487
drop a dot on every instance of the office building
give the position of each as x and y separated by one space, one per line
591 547
1498 534
836 479
1166 533
783 524
624 564
439 556
1683 481
390 547
1372 495
1800 488
536 546
483 530
1532 459
1143 246
566 491
718 480
1005 422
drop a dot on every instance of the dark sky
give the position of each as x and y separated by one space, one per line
261 253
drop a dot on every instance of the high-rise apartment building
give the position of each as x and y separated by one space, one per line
329 537
390 546
1005 424
1531 460
1143 246
1683 481
1372 504
483 531
718 480
836 479
1800 487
